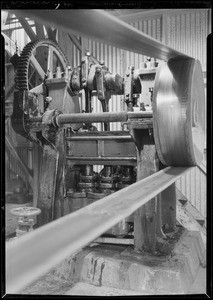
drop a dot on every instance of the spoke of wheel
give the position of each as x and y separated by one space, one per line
38 89
37 66
50 60
33 72
30 84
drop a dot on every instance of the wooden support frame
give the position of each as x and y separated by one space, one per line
39 30
37 252
27 28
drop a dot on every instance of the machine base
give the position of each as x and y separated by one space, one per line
114 269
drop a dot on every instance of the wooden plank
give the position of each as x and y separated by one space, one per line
103 27
37 252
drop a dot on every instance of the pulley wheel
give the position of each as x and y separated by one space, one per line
179 112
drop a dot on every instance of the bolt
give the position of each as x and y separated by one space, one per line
48 99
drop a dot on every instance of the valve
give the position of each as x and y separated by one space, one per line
26 219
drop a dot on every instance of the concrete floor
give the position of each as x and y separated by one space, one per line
116 270
85 289
199 286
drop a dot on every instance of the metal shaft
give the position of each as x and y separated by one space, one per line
96 117
100 117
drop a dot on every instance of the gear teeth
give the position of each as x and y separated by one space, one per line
21 76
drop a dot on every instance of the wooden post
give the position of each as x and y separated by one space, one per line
36 166
146 219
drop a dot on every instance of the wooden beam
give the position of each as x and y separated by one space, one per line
145 218
39 30
14 27
22 164
27 28
37 252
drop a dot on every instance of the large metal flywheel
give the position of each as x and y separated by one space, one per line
179 112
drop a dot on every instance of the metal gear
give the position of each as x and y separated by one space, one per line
54 57
21 77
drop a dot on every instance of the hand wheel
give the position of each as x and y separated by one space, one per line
25 211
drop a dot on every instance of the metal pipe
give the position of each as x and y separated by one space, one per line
98 137
91 118
101 26
101 117
95 117
35 253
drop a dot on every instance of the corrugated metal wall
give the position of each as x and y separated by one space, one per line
187 32
193 187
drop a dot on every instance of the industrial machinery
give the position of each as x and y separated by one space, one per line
47 111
